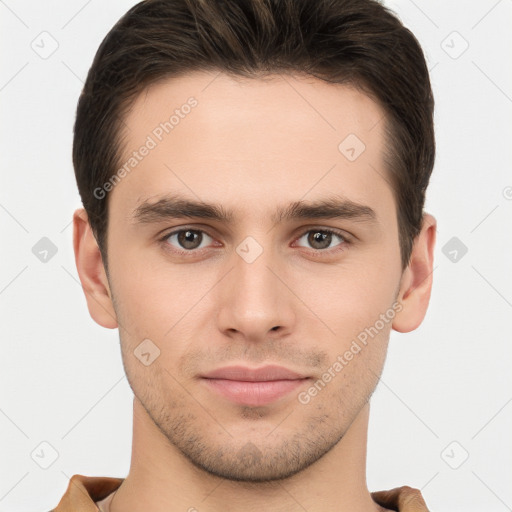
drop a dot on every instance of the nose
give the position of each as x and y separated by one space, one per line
255 303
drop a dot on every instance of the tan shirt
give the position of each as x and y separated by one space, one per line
104 505
93 494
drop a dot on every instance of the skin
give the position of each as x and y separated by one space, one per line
250 146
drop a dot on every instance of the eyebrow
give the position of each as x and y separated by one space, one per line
176 207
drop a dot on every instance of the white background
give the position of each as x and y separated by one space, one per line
62 380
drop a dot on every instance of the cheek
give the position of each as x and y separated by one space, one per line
359 309
154 384
149 299
166 307
348 300
346 384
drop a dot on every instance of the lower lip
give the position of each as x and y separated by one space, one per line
254 393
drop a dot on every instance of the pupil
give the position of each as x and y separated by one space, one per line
188 239
320 237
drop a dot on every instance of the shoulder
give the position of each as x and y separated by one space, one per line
83 491
402 499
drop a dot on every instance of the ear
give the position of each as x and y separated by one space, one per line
416 282
91 271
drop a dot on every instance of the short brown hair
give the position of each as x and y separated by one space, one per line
355 42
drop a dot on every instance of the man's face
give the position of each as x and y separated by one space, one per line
255 290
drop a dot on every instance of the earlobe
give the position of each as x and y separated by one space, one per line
416 283
91 271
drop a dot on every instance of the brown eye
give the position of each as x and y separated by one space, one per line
188 239
320 239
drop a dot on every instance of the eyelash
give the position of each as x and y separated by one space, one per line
341 247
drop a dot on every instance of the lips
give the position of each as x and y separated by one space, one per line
266 373
253 386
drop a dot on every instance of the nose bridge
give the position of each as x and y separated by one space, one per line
251 272
254 300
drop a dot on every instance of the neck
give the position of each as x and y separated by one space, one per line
162 479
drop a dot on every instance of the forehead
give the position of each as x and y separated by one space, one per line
276 101
274 139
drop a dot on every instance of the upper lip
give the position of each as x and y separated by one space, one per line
243 373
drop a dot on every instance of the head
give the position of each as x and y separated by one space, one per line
247 125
